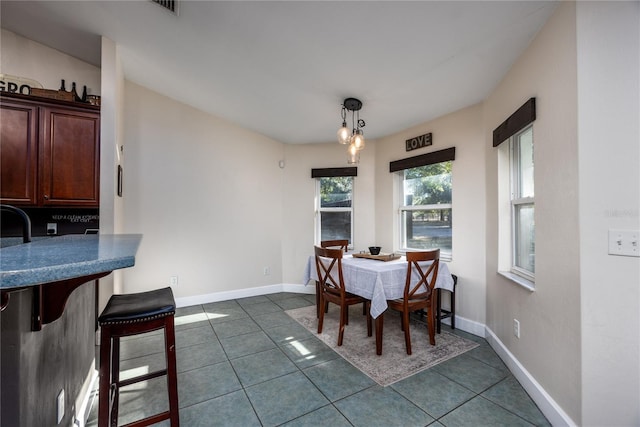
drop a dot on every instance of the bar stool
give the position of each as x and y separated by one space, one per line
132 314
443 314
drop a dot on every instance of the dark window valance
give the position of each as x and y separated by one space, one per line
333 172
423 160
522 117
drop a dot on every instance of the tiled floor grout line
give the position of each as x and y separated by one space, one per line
298 369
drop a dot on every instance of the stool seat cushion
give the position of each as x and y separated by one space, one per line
139 306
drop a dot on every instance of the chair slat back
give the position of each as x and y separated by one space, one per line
330 270
426 278
342 244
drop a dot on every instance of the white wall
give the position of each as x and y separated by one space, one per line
462 130
550 329
111 130
206 195
22 57
609 155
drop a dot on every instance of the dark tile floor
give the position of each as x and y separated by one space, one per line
245 362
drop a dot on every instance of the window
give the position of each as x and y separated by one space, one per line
425 208
334 208
522 203
516 219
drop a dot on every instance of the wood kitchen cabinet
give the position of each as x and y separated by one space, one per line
49 152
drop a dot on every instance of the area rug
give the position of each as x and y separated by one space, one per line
360 350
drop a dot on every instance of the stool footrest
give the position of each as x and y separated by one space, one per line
145 377
154 419
445 314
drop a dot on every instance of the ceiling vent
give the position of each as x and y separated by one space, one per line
170 5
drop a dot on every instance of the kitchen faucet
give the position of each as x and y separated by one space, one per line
26 222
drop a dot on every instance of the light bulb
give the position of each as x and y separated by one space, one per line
358 140
354 154
343 134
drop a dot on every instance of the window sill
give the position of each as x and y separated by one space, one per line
518 280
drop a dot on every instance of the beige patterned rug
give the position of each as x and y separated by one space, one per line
360 350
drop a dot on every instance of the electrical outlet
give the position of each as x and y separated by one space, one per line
60 405
267 271
52 228
516 328
173 281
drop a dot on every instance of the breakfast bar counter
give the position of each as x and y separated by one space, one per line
55 267
65 257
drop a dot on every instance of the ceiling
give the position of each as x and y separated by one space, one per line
283 68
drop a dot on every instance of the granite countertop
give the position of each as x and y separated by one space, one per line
66 257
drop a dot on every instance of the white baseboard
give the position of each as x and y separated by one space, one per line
467 325
84 400
244 293
548 406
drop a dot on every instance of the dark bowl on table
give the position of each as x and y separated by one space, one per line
374 250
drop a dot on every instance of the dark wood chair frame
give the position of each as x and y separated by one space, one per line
110 382
422 295
343 244
332 289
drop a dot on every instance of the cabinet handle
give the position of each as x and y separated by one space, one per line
46 197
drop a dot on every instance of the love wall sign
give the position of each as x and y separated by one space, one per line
419 142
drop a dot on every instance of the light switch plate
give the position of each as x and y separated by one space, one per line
624 242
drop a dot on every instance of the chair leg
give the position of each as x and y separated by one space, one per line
321 319
105 377
407 332
453 308
317 299
115 380
438 309
343 317
431 325
379 327
172 375
367 308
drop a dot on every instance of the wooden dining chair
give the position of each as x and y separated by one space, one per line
342 244
332 289
420 295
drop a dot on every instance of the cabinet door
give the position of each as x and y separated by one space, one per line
70 157
18 153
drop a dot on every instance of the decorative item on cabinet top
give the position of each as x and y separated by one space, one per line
53 94
64 95
16 84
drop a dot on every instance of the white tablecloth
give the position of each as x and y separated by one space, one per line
377 281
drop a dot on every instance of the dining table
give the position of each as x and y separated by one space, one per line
378 280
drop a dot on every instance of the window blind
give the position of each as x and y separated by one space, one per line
423 160
522 117
333 172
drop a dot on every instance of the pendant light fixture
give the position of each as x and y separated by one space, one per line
354 136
